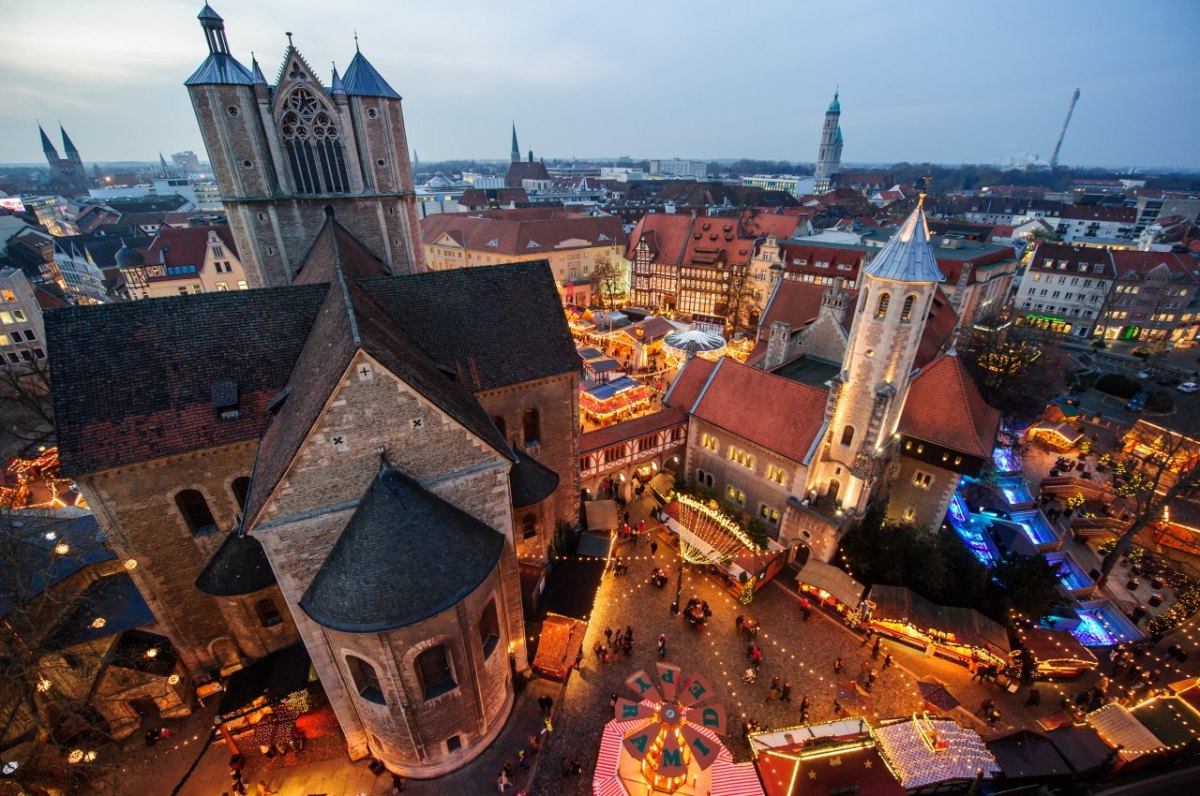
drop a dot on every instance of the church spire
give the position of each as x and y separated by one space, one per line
214 30
363 80
68 144
516 150
256 71
335 86
908 256
47 147
835 106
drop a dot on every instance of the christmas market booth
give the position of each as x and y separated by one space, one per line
832 757
614 399
830 587
268 695
1134 744
1174 722
924 751
706 536
1059 437
961 635
1054 654
559 644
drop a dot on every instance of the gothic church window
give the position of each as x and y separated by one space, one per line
366 680
489 629
881 310
195 511
314 147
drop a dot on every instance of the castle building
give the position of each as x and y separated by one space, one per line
346 461
67 175
284 153
829 154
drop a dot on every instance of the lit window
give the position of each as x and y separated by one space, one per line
735 495
881 310
922 479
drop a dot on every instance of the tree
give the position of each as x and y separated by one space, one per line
743 307
1015 370
1027 584
29 418
1160 467
609 279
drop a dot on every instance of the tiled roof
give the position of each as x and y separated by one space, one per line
335 248
907 256
608 436
525 170
1049 255
939 325
794 302
383 573
1136 264
523 232
786 416
493 326
944 407
185 245
688 382
682 239
133 381
220 69
1126 215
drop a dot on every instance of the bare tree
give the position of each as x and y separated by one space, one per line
1161 466
1013 366
608 281
744 304
27 417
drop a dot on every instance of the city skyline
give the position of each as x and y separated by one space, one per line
589 85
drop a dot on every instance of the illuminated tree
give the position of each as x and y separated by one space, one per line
1014 369
26 389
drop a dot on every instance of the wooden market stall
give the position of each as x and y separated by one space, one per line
614 399
1054 653
559 645
830 587
961 635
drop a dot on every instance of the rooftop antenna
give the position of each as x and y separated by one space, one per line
1063 132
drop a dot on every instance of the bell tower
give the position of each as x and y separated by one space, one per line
897 288
829 154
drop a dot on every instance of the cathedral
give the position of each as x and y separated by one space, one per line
829 154
357 456
67 174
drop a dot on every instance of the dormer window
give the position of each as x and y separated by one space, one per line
225 399
494 242
533 244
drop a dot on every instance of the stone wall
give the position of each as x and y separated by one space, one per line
928 505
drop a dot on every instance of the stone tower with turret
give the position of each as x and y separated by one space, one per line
867 396
286 155
829 154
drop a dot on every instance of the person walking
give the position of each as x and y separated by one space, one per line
804 708
887 661
502 782
870 679
773 691
662 645
875 649
653 549
785 694
1035 698
838 665
608 636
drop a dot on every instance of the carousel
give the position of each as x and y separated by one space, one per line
681 346
665 742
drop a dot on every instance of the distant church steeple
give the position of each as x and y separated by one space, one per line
829 154
48 148
516 150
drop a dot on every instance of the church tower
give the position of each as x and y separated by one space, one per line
829 154
285 155
516 150
66 174
896 290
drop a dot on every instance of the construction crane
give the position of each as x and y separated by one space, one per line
1063 132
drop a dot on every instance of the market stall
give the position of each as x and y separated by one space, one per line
1056 436
1121 730
830 587
1054 653
840 755
612 400
559 644
923 751
957 634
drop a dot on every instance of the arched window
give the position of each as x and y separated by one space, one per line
268 613
489 629
906 313
313 144
366 680
195 511
863 303
433 672
881 310
529 525
240 487
847 435
532 426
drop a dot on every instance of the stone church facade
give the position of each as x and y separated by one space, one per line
354 458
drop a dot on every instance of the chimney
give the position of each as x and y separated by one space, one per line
777 345
531 156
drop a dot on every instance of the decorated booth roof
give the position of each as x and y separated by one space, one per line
1120 728
911 746
837 582
969 627
1172 720
1025 754
1055 645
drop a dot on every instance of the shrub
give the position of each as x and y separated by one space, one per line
1118 385
1160 401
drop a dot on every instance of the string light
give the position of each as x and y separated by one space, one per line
131 564
62 548
98 622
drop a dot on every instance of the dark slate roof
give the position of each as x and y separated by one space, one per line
1025 754
133 381
115 599
238 567
406 555
362 80
530 481
493 326
274 676
335 246
220 69
31 565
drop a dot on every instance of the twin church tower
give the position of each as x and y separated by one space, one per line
288 155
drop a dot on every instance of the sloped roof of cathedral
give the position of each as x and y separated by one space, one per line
530 481
944 407
361 79
239 566
257 73
220 69
335 248
406 555
908 256
350 320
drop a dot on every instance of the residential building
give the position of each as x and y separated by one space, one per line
680 168
22 333
76 275
289 155
1150 208
1102 223
788 183
183 260
575 245
1155 297
187 164
829 153
1064 288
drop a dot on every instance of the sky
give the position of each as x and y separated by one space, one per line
946 82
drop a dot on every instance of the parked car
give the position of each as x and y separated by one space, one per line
1137 403
1143 374
1188 386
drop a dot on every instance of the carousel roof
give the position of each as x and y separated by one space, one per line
694 341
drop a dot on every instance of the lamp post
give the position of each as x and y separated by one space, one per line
678 581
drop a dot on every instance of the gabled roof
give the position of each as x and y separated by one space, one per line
639 426
406 555
336 248
689 381
1025 754
520 170
681 239
907 256
525 231
362 80
794 302
786 418
185 245
944 407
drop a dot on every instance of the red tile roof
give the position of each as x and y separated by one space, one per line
939 325
679 239
186 245
523 231
944 407
688 383
1136 264
794 302
1126 215
631 429
786 416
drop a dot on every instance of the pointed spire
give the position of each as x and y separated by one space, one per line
908 256
516 150
220 68
68 145
166 170
256 71
362 80
336 87
47 147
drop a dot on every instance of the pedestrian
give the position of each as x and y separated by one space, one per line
804 607
804 708
738 622
612 702
608 636
535 743
875 649
653 549
566 766
870 679
522 760
1035 698
627 645
867 640
987 705
616 642
236 784
508 770
993 716
629 633
263 790
887 661
502 782
549 705
838 665
579 658
773 691
662 645
785 693
837 706
298 738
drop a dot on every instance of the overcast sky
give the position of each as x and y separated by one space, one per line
946 82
